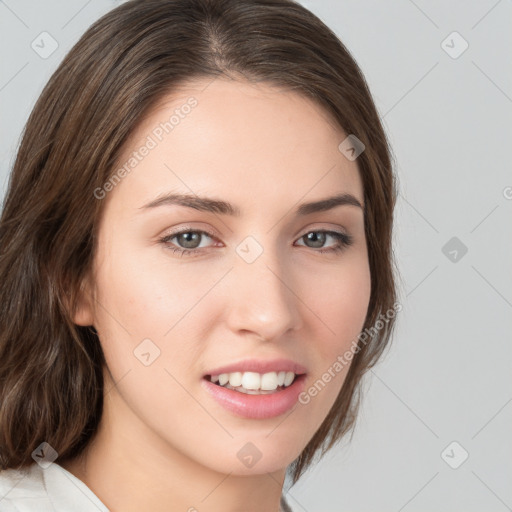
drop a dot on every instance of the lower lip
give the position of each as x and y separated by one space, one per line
256 406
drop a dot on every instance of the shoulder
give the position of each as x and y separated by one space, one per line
23 489
49 489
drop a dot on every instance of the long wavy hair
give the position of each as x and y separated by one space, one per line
51 383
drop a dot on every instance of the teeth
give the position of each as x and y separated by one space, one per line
235 379
269 381
288 379
249 380
252 381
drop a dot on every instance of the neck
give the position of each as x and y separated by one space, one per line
130 468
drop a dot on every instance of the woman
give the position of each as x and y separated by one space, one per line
196 261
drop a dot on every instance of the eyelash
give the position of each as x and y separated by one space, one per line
344 241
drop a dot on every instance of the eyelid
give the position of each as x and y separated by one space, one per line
334 228
186 229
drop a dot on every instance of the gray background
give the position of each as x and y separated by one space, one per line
447 376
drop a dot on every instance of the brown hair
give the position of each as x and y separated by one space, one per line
50 368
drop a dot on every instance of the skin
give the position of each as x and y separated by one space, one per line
163 443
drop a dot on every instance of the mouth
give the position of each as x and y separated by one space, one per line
256 389
253 383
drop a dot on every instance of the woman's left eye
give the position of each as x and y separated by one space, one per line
190 241
342 240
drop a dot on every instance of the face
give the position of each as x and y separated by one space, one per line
182 292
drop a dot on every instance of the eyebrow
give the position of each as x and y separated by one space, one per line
213 205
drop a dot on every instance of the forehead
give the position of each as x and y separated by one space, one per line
239 140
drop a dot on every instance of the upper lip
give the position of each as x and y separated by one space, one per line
260 366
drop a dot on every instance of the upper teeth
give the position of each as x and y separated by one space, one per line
252 380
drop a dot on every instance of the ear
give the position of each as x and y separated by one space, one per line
84 311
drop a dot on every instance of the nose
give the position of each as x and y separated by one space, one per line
262 299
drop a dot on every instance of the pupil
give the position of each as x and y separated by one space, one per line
318 238
187 240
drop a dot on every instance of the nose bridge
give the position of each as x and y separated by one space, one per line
262 300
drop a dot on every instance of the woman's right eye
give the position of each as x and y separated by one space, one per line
188 239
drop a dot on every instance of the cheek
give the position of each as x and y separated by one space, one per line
340 298
340 301
147 293
143 297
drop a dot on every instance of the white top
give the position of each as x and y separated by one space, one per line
52 489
